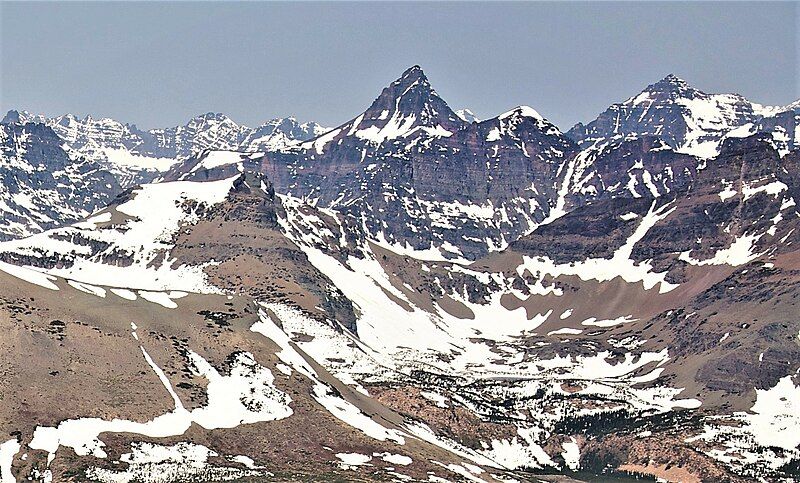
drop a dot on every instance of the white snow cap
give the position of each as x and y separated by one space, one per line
523 111
467 115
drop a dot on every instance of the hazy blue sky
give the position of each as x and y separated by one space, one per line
158 64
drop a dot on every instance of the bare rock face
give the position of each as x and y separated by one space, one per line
630 167
595 230
743 194
745 191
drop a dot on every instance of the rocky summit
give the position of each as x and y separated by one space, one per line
413 295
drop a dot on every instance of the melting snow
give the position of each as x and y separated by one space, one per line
164 299
592 321
123 293
340 408
769 433
571 454
776 418
396 459
245 396
565 331
350 414
739 253
440 400
353 459
774 188
29 275
164 464
8 450
90 289
620 265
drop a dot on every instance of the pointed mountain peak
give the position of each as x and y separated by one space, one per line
670 84
407 108
212 115
411 101
11 117
672 79
411 75
665 91
413 83
209 117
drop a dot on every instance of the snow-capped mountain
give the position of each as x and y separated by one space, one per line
404 112
61 174
784 126
137 156
44 185
419 177
687 119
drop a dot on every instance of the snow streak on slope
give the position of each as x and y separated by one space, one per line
322 393
29 275
245 396
620 265
140 235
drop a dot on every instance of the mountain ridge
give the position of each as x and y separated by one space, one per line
688 119
413 296
139 155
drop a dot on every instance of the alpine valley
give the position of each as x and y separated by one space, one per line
414 295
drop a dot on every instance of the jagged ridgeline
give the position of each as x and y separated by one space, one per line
414 295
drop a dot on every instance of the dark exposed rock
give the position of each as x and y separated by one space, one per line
42 186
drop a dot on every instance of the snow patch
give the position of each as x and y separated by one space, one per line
29 275
8 450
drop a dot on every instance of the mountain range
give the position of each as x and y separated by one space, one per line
121 151
413 295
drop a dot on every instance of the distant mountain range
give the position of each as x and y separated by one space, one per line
135 154
123 155
410 120
413 295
